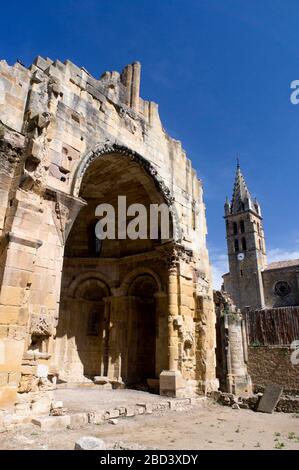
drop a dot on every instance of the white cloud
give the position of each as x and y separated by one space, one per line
219 267
280 254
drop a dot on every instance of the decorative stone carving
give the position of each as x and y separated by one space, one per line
41 325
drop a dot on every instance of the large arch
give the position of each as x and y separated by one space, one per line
102 149
129 342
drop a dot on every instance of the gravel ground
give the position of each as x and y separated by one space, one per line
212 427
80 399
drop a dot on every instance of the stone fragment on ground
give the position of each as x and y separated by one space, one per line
270 398
90 443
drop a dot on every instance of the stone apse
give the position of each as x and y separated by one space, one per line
71 307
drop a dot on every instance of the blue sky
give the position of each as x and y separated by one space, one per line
221 73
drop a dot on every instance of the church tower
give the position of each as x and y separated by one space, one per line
246 247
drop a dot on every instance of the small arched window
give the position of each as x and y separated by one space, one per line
242 226
235 228
244 244
236 245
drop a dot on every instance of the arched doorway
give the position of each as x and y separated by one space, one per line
142 331
82 330
125 311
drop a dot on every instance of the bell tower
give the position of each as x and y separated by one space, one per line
245 245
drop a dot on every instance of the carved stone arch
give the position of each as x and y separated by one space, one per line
84 278
133 275
108 148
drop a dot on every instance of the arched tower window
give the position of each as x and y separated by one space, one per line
259 229
236 245
244 244
235 228
242 226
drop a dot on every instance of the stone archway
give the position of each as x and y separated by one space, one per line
142 331
121 281
82 330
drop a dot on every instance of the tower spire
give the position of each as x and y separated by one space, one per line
241 199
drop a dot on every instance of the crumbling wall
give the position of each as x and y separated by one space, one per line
57 119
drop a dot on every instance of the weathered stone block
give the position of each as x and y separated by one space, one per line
40 407
96 417
130 411
111 414
14 378
171 383
78 420
52 423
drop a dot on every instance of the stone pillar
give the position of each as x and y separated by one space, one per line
106 333
116 345
135 86
162 332
231 347
126 78
205 343
238 380
173 311
171 380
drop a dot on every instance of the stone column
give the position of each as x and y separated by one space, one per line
232 339
171 381
106 333
118 316
173 311
135 86
162 360
238 380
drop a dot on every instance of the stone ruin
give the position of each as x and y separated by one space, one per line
136 312
231 351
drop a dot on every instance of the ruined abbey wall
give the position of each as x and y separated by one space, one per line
56 122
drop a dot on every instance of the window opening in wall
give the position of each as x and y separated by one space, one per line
93 325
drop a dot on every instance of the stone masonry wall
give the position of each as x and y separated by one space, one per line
272 364
55 119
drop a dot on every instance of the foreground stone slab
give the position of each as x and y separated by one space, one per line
270 398
50 423
90 443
